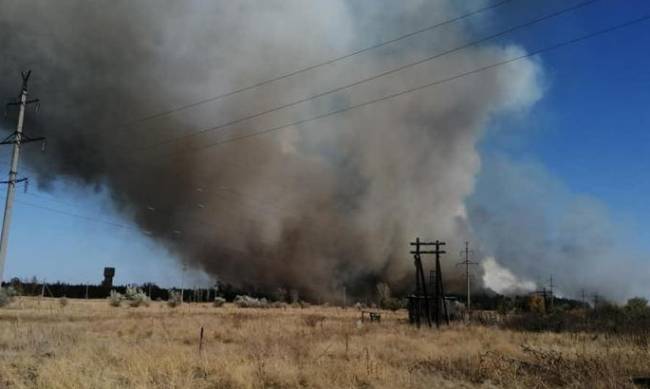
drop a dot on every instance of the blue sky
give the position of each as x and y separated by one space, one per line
590 131
591 128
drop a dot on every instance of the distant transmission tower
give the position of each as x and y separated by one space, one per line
17 138
467 264
552 296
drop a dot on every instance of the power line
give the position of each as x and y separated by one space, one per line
425 86
371 78
118 225
51 198
244 201
546 49
84 217
76 215
172 213
157 210
437 82
318 65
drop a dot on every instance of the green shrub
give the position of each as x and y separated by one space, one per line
175 298
115 298
637 307
250 302
136 297
218 301
391 303
7 296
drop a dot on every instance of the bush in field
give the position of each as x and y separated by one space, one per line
313 320
136 297
536 304
637 307
175 298
218 302
391 303
386 301
115 298
16 286
294 296
632 319
63 301
280 295
383 291
250 302
6 296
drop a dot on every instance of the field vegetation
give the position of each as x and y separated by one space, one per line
93 344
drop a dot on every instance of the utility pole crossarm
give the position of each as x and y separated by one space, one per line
16 181
13 139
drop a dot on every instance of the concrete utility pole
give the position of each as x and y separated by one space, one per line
467 264
15 139
183 281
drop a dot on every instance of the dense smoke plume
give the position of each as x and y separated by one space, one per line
328 203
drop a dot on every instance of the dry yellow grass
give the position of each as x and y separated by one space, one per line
89 344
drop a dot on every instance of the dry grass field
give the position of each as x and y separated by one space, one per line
89 344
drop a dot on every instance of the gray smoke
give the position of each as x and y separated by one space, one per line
328 203
536 227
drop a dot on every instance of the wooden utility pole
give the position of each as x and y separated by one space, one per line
420 283
421 292
440 288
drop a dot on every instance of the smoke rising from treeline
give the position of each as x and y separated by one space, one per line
538 228
317 206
